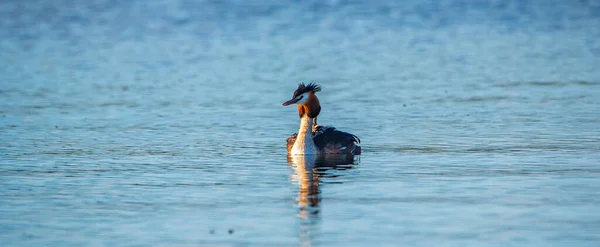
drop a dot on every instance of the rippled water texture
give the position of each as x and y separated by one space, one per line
159 123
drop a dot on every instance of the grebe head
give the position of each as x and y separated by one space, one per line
304 97
304 94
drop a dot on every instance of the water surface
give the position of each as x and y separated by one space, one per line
136 123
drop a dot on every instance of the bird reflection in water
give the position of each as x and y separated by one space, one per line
308 169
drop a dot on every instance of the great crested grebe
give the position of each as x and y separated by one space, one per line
313 138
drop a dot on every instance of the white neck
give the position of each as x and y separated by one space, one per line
304 141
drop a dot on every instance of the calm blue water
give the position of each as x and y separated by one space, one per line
159 123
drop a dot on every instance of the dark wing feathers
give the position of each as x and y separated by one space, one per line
326 134
290 142
330 140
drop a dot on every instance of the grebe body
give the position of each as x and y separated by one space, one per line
311 137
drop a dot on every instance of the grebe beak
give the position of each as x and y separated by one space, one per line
290 102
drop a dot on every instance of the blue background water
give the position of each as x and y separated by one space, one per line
135 123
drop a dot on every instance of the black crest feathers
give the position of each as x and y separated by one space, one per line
302 88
